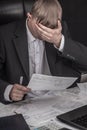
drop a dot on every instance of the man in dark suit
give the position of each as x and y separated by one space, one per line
38 45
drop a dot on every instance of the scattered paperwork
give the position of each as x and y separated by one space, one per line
54 99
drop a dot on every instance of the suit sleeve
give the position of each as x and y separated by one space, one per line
74 51
3 82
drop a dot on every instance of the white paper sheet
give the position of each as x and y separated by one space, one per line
45 82
83 87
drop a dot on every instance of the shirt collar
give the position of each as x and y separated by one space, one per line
31 38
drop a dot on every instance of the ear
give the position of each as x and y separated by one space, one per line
29 16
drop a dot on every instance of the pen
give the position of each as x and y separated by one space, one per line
21 80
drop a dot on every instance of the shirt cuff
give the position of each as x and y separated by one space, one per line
7 92
61 44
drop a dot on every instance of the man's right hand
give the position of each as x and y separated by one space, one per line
18 91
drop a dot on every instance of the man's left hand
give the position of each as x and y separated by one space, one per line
50 35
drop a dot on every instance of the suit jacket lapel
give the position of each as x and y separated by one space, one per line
21 46
51 54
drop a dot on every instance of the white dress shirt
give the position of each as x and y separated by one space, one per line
37 55
37 58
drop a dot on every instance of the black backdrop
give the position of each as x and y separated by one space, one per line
75 13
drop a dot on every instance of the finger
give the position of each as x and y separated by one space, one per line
49 33
43 33
18 92
46 37
59 25
51 37
22 88
43 28
16 96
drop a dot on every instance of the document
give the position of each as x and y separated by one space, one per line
10 109
50 125
43 109
45 82
82 95
83 87
40 110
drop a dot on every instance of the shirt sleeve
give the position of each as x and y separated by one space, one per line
7 92
61 44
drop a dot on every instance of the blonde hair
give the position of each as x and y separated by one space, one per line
47 12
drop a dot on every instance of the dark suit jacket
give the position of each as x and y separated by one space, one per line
14 59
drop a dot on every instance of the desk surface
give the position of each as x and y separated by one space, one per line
41 110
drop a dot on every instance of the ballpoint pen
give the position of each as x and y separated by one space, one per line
21 80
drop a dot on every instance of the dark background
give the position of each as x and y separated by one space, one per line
75 13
